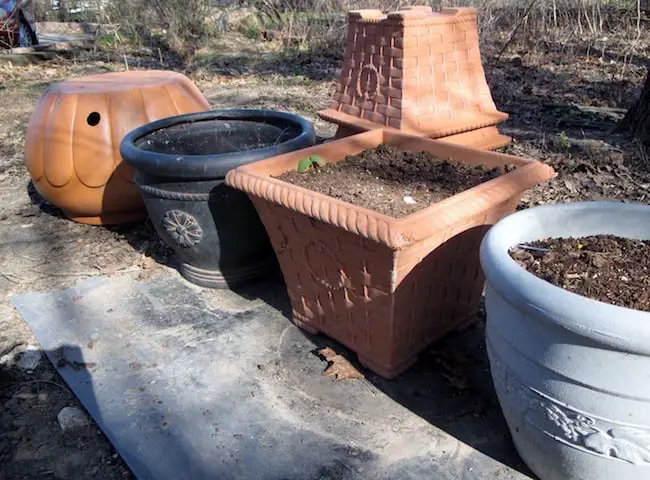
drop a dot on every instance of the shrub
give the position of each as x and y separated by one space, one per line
179 26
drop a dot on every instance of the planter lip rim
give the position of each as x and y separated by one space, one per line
347 120
206 167
533 294
395 233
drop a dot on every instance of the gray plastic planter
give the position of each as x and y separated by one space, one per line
572 374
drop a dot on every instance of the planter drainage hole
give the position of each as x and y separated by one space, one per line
93 119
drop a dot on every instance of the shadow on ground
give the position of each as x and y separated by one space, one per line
202 373
139 235
47 452
451 388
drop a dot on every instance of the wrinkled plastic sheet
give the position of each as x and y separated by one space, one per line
191 384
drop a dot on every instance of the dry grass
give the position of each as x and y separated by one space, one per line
319 25
169 27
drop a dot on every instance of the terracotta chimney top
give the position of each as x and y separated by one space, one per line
415 70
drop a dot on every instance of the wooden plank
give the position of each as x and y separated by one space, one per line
53 47
30 58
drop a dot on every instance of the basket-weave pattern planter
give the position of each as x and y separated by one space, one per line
382 286
416 71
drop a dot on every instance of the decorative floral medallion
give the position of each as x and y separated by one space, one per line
182 227
368 82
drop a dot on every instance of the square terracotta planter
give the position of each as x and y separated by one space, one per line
384 287
417 71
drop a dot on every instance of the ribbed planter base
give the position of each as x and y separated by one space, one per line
214 230
218 279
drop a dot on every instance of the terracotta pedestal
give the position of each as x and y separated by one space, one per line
419 72
73 139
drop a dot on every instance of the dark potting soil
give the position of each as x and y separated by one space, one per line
602 267
216 136
392 181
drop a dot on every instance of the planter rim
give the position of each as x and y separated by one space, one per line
209 167
617 327
396 233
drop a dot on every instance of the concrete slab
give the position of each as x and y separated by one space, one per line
190 384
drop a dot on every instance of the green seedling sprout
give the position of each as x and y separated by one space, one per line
311 162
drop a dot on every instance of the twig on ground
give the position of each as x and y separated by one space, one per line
49 382
582 108
133 268
63 274
8 276
626 176
13 347
642 150
26 257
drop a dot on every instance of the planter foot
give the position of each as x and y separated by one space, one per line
108 219
470 321
388 372
344 131
217 279
303 326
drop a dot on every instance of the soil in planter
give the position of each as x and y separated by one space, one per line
392 181
603 267
216 136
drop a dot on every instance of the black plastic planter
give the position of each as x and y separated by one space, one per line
181 163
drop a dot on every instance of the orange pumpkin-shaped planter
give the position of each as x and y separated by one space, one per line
73 139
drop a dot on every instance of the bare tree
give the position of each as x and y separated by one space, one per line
63 11
637 118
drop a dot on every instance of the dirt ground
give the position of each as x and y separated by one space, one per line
538 84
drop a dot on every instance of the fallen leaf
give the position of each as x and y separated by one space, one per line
338 366
457 380
454 368
327 353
